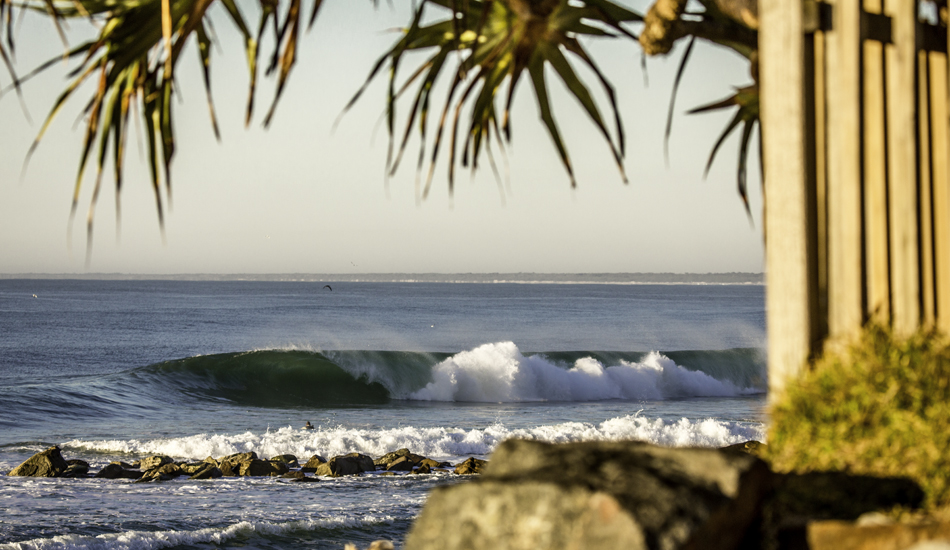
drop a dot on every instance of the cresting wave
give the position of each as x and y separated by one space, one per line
152 540
497 372
442 443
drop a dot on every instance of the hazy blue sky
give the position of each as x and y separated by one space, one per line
300 198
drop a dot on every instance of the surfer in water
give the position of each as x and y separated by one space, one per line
307 426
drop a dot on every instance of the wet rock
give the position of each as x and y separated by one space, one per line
471 465
153 462
210 471
116 470
165 472
48 463
384 461
424 469
260 468
314 463
298 477
237 458
77 468
349 464
193 468
228 469
597 495
288 459
752 446
401 464
433 463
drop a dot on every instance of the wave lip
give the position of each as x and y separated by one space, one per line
500 373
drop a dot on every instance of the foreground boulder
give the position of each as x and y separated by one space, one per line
597 495
48 463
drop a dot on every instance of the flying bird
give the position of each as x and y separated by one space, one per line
327 286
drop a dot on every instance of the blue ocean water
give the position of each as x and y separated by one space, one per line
118 370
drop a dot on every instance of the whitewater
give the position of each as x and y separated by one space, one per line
119 370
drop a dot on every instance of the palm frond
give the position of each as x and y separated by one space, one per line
496 41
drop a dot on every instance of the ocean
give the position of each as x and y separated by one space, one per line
123 369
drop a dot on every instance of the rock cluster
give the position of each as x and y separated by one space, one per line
50 463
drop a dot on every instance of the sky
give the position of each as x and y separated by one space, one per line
303 197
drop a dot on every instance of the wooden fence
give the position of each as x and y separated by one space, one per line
856 144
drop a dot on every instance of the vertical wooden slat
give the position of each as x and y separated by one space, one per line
789 290
845 274
902 168
925 211
940 140
875 179
821 180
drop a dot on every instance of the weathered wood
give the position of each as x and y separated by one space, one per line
845 259
901 59
940 140
789 291
875 179
925 212
820 105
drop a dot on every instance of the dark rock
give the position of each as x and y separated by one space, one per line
384 461
165 472
239 457
314 463
401 464
78 462
751 446
228 469
259 468
49 463
80 469
125 465
153 462
210 471
597 495
288 459
471 465
432 463
117 471
194 467
353 463
424 469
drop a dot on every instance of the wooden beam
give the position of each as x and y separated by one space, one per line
875 179
925 211
845 242
790 291
940 124
901 59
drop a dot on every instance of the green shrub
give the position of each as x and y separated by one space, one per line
880 408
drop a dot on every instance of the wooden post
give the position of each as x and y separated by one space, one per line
925 197
875 179
901 57
790 291
940 119
845 258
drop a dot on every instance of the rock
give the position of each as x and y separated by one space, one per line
384 461
432 463
228 469
424 469
259 468
751 446
79 469
165 472
117 471
314 463
298 476
597 495
375 545
153 462
210 471
48 463
194 467
841 535
239 457
353 463
401 464
471 465
288 459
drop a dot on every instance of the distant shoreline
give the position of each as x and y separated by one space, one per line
736 278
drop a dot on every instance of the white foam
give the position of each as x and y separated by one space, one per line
441 443
153 540
500 373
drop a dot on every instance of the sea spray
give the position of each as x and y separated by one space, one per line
500 373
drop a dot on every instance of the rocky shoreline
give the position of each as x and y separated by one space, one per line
50 463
